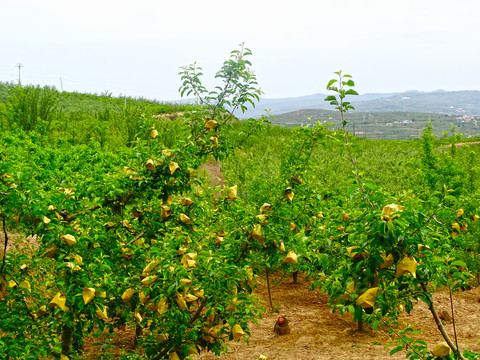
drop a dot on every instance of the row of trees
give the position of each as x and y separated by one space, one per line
135 237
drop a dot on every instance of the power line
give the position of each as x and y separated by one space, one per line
19 65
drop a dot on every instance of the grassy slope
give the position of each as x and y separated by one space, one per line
113 123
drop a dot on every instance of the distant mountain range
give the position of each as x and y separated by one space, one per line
441 102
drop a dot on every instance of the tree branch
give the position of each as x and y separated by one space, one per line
438 321
6 242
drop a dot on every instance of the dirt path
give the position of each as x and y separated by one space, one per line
17 242
213 171
465 143
317 333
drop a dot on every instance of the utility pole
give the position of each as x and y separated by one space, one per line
19 65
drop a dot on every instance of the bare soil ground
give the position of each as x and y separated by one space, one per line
464 143
213 173
17 242
467 143
317 333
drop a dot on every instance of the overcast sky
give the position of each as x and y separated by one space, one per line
136 48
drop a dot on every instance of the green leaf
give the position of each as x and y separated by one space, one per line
459 263
330 83
352 189
390 225
358 313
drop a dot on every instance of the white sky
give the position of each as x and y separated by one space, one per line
136 48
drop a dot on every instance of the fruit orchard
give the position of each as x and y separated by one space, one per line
126 232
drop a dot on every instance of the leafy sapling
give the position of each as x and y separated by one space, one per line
342 88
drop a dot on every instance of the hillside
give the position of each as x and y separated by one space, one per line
377 116
443 102
391 125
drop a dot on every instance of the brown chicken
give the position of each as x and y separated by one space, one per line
445 316
281 326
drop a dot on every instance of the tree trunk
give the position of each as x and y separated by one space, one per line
295 277
138 334
439 323
67 338
268 288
